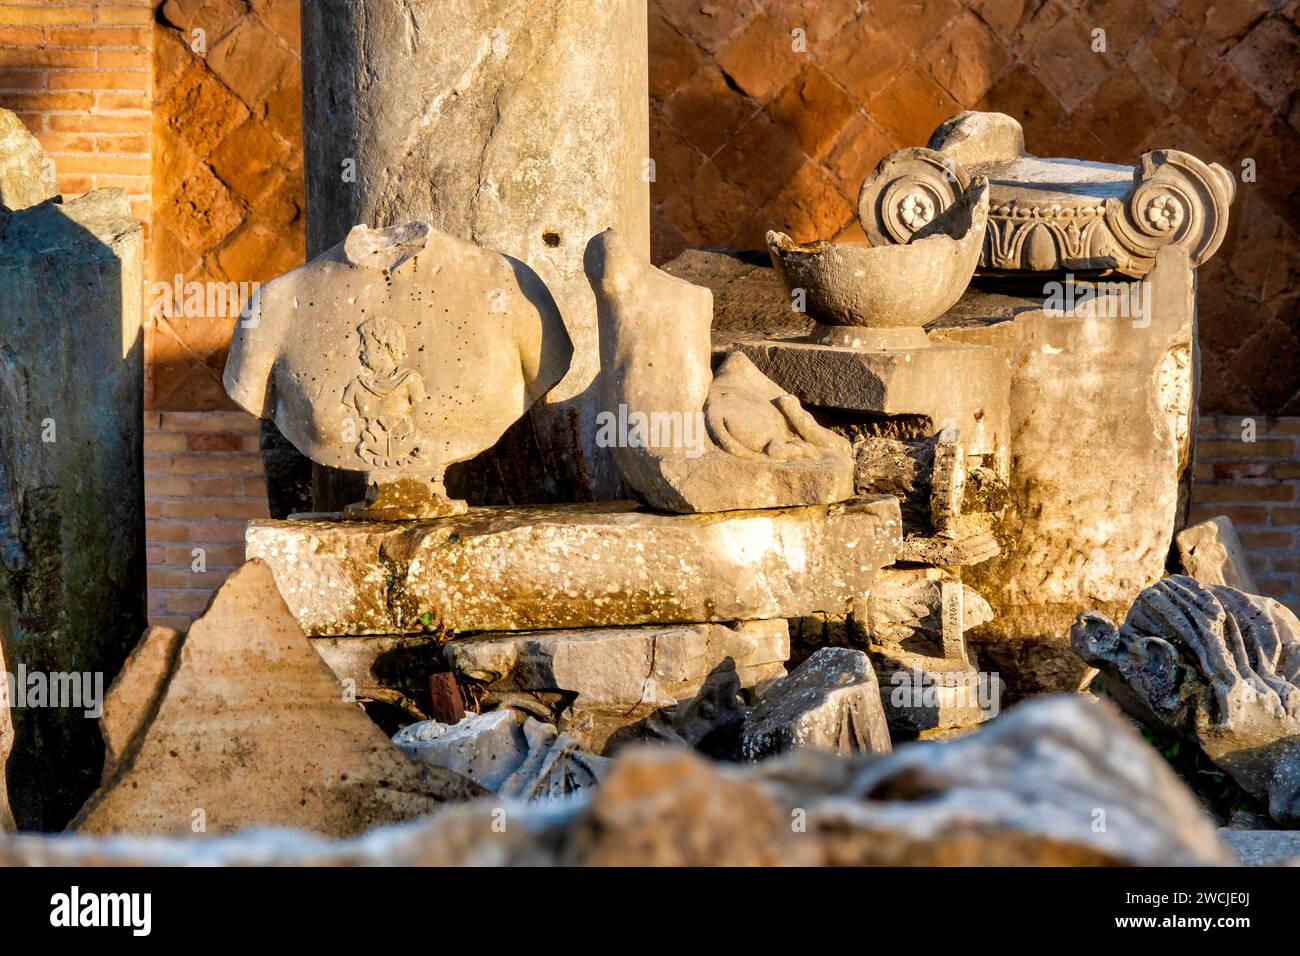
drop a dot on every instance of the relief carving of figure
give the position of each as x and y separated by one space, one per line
384 395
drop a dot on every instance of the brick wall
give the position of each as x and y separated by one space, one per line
78 74
202 482
1248 468
227 175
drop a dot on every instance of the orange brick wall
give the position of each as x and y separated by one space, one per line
1249 469
202 482
227 174
78 73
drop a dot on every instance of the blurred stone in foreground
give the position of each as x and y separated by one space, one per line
1057 781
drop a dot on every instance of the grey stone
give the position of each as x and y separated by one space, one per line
621 668
1264 847
932 697
252 729
487 748
1216 665
72 578
855 292
505 752
1102 413
973 399
829 702
524 130
1212 553
607 565
684 439
26 175
397 353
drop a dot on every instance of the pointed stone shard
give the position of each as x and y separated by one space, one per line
252 729
26 176
829 702
1212 553
136 693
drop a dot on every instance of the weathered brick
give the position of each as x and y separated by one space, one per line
1243 492
44 13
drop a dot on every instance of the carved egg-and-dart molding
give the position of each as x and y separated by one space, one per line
1050 214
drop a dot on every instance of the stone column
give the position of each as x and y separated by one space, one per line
520 125
72 561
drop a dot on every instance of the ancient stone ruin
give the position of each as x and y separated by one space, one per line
767 532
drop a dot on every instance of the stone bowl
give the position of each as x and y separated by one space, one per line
888 287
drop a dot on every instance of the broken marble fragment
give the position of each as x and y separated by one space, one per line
398 352
506 752
251 729
829 702
1212 553
26 174
1216 665
620 668
685 439
607 564
880 296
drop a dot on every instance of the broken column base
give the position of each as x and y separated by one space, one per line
927 697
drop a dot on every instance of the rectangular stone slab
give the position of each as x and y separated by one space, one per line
956 385
624 667
596 565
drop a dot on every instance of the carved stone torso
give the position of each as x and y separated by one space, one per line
401 350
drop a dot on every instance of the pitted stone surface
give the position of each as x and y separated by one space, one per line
624 667
599 565
829 702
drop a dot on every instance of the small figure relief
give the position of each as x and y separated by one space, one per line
384 395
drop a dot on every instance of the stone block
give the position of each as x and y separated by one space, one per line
973 399
829 702
71 480
620 668
598 565
1212 553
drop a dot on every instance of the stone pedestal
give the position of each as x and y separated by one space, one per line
72 561
523 128
611 565
1102 419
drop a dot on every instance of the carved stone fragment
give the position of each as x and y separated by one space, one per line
1051 214
685 439
829 702
397 353
1215 664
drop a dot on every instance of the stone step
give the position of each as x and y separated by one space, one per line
609 564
